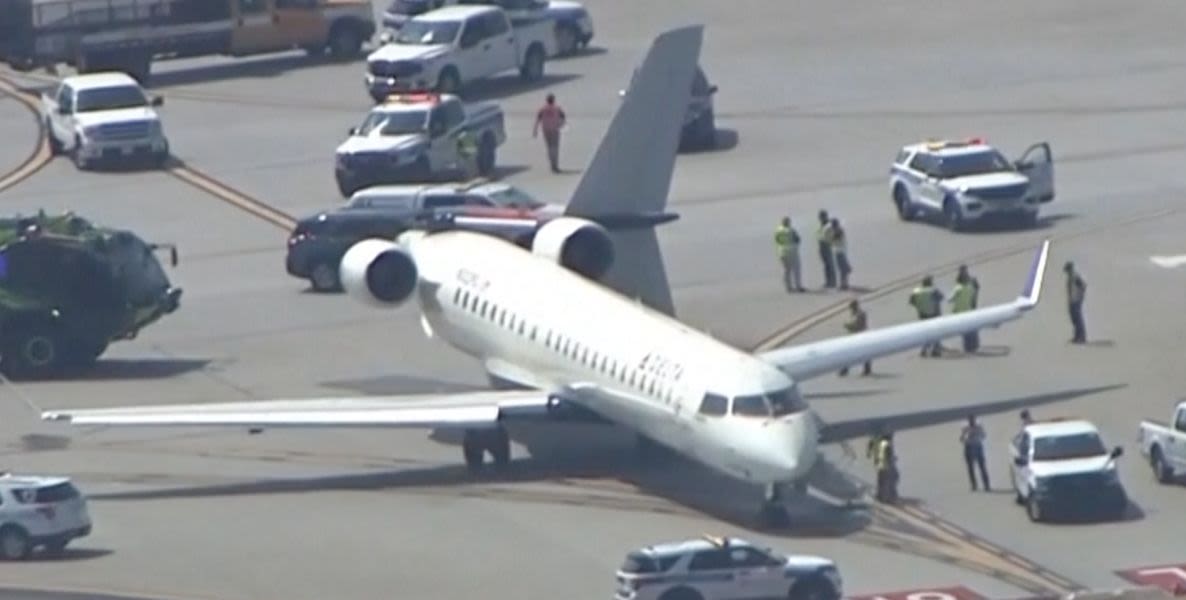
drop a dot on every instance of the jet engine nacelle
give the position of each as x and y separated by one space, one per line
579 245
378 272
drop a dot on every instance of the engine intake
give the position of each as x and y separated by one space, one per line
378 272
579 245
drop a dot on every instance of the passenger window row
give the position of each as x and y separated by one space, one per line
597 361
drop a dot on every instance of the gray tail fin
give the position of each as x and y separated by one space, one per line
630 174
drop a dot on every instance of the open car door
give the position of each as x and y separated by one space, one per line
1038 165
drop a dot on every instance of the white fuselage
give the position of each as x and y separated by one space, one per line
561 333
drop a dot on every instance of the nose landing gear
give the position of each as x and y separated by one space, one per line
477 442
774 514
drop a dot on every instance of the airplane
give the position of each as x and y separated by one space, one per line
582 326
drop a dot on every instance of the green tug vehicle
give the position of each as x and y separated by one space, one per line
68 288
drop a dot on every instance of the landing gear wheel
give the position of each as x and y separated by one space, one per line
14 543
471 447
477 442
773 514
324 277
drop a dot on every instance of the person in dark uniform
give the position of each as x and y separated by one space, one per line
823 236
972 437
1076 290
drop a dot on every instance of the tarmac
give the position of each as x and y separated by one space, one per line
814 101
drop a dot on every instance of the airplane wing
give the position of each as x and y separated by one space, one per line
462 410
809 360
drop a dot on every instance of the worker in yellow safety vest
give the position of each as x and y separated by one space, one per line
858 322
786 239
963 299
927 300
885 463
467 152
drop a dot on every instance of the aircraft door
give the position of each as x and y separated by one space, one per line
1038 165
256 27
302 22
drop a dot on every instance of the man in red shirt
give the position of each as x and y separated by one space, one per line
551 119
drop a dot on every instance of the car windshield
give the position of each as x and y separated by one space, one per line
1065 447
112 98
394 123
428 32
514 197
774 404
136 267
978 163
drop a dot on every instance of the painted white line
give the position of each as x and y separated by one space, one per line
1169 262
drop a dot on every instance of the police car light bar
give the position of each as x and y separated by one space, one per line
414 98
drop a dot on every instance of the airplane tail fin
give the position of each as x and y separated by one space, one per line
630 175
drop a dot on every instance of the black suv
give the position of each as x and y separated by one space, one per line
317 244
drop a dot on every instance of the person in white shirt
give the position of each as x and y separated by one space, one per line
972 438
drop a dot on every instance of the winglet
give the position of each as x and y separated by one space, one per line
1033 285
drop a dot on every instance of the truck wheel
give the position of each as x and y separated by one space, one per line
903 204
814 588
56 548
81 354
486 155
80 162
533 64
1033 510
951 214
31 351
1161 471
324 277
14 543
55 145
448 82
344 41
681 593
568 41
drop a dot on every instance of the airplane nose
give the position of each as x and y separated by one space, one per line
794 445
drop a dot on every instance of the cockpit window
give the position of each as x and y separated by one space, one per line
751 406
714 405
775 404
786 401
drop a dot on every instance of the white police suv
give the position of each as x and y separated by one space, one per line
718 567
970 181
1061 467
36 511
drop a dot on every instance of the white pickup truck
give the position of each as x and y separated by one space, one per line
445 49
104 117
1165 445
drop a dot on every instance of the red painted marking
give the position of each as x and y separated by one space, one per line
958 592
1171 578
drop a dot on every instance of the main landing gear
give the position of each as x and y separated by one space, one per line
478 442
